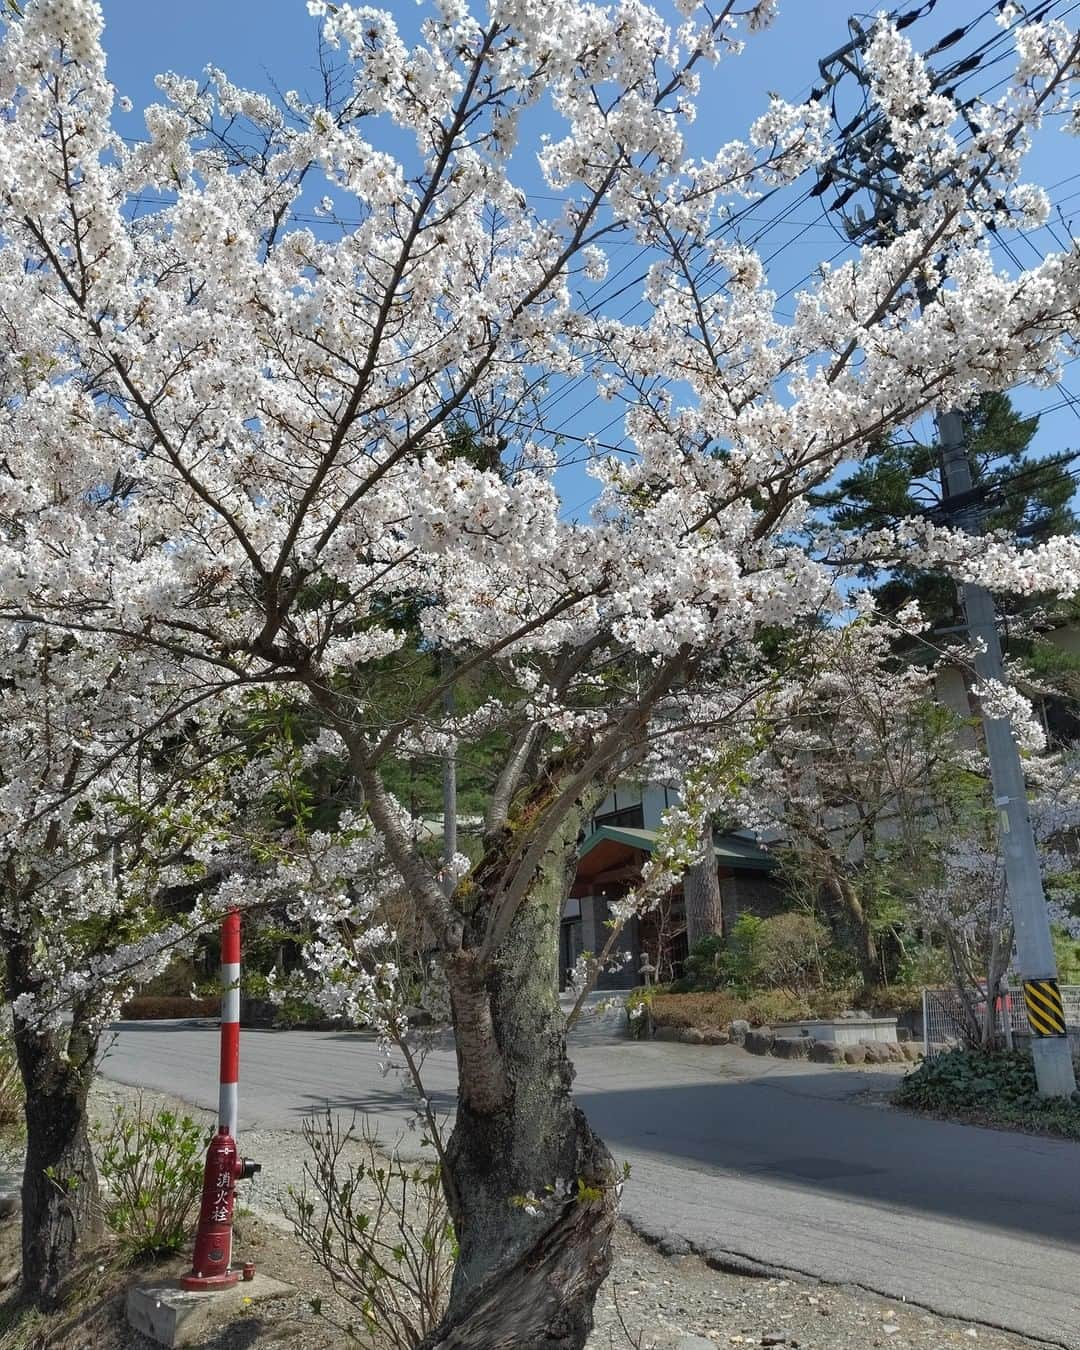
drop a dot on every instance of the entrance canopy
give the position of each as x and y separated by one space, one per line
613 855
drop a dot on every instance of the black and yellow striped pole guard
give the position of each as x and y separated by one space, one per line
1045 1011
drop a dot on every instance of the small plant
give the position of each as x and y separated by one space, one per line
381 1229
152 1165
639 1003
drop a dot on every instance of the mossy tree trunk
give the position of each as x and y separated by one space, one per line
61 1207
534 1190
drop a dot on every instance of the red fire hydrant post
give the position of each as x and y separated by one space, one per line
211 1266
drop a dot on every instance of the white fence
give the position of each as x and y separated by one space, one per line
945 1019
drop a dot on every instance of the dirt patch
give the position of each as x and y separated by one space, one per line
95 1317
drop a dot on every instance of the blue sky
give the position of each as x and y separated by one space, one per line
262 41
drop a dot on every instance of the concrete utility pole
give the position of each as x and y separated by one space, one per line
866 161
1034 945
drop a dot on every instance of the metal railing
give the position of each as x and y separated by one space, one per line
945 1018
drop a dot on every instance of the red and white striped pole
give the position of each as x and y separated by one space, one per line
211 1265
229 1077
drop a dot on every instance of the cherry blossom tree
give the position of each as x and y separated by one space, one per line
866 776
234 442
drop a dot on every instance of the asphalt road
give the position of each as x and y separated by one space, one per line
757 1159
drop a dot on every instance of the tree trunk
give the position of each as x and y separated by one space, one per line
701 887
524 1278
61 1211
844 895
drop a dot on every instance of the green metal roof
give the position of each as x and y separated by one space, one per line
731 849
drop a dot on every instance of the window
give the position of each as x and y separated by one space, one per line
631 817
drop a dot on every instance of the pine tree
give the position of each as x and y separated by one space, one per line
1023 494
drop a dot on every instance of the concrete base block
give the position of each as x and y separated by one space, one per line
174 1316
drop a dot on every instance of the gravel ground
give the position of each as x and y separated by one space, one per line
652 1301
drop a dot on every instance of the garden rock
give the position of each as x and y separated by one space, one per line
692 1036
760 1040
911 1051
855 1054
739 1030
827 1052
672 1244
791 1047
876 1052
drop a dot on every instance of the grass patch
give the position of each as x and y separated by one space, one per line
988 1088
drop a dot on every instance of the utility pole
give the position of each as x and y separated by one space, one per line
865 160
1034 945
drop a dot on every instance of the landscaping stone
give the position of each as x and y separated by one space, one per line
738 1031
912 1051
714 1037
855 1054
760 1040
10 1194
174 1316
692 1035
827 1052
792 1047
876 1052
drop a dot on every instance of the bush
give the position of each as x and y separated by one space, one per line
703 967
740 962
788 951
782 952
887 999
152 1165
156 1007
988 1087
379 1227
716 1010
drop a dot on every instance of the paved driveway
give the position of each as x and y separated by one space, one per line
750 1159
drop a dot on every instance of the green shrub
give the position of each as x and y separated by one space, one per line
988 1087
887 999
788 949
703 967
152 1165
740 961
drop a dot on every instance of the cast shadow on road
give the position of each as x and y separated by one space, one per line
396 1125
782 1134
